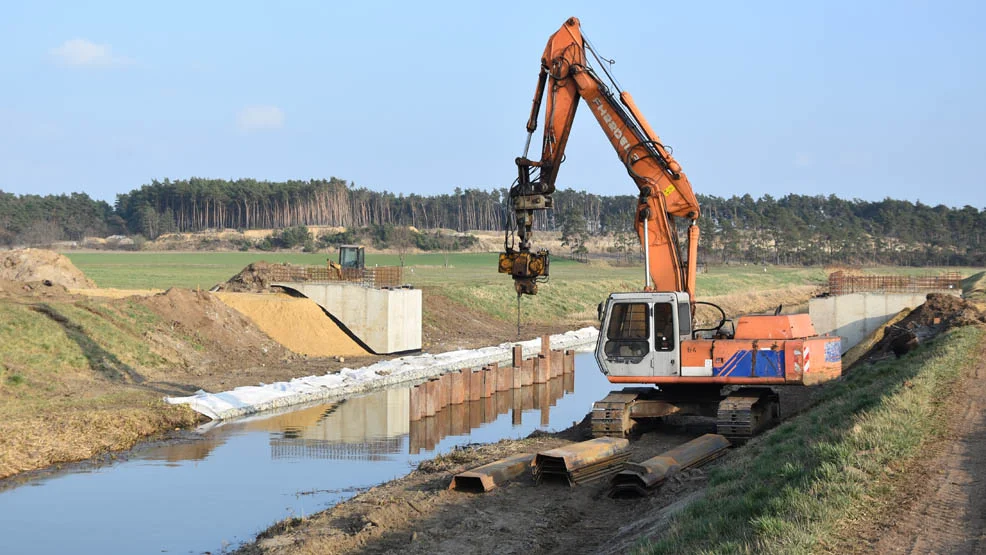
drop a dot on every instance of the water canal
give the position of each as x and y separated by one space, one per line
219 491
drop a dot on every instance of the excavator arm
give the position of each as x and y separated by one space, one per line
664 191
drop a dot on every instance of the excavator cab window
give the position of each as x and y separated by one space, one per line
684 319
664 337
628 332
351 256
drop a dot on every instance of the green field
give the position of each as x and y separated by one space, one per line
572 293
150 270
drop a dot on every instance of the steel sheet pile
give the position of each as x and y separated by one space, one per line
489 476
581 463
640 479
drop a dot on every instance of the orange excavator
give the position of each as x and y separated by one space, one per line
649 338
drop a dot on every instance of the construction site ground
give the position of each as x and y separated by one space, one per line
936 505
940 502
110 401
419 514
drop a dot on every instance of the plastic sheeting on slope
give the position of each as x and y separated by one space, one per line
252 399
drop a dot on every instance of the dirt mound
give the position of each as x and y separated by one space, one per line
255 278
946 311
230 340
30 265
298 324
939 313
32 289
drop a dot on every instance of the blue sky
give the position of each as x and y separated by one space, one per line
859 99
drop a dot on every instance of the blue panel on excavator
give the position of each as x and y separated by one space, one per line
761 363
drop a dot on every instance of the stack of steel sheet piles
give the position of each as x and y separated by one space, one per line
641 479
582 462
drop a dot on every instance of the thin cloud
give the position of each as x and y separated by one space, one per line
85 53
258 118
804 160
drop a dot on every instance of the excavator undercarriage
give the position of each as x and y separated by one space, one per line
739 415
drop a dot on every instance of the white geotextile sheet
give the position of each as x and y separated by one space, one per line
252 399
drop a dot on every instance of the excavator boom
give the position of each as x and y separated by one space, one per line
665 192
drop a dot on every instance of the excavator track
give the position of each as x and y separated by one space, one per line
621 411
746 412
739 416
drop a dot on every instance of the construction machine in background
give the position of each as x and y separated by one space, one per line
351 265
650 338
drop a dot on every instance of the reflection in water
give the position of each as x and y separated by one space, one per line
185 451
460 419
374 426
364 428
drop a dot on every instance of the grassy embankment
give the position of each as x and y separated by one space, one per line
572 293
974 288
68 382
800 487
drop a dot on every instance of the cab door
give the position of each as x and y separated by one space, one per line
667 348
639 337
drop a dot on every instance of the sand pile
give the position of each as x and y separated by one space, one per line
39 265
297 323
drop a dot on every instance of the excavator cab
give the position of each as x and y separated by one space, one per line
641 334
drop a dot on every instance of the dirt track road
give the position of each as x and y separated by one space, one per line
947 511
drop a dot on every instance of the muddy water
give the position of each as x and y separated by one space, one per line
217 492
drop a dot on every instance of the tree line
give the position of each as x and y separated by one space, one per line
792 230
42 220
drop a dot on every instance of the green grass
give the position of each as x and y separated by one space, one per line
114 333
573 290
34 344
794 489
725 280
154 270
41 342
974 287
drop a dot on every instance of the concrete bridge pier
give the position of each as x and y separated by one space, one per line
385 320
855 316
